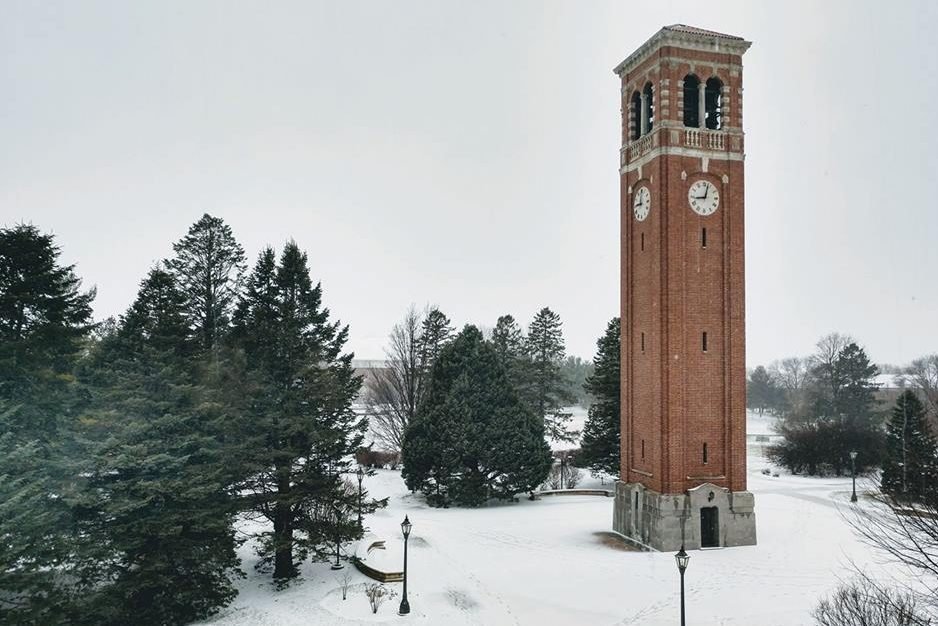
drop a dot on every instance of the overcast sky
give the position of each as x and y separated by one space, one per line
465 153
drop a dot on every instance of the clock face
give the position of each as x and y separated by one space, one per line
703 198
641 204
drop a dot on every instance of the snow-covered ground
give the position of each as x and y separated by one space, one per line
544 563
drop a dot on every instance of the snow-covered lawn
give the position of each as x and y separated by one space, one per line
543 563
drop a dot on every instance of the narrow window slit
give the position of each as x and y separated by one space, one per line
643 241
703 238
643 342
704 341
705 454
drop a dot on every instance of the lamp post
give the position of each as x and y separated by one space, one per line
337 518
682 559
405 605
853 470
361 475
563 469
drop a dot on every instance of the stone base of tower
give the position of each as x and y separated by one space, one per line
705 516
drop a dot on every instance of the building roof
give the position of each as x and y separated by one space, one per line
682 35
693 30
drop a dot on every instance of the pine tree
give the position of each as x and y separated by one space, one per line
208 267
910 463
473 439
549 391
296 392
158 503
599 447
435 332
508 341
760 389
45 319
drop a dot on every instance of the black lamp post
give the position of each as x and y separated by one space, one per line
853 470
361 475
336 565
563 469
405 605
682 559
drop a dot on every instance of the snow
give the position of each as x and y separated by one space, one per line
544 563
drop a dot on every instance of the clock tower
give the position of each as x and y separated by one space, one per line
683 437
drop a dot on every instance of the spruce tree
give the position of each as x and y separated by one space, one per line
208 266
158 501
548 390
473 439
45 320
508 341
435 332
910 463
599 447
299 431
511 348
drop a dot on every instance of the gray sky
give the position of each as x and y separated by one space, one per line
465 154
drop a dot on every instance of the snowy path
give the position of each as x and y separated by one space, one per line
542 563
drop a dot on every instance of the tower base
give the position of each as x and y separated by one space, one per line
706 516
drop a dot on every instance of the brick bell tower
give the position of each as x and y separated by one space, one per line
683 464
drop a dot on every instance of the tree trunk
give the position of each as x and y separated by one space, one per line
283 532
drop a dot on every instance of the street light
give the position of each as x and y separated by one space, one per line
563 469
853 470
682 559
405 605
337 517
361 475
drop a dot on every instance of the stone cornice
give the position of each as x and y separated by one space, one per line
680 39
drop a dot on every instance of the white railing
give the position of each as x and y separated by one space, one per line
713 140
640 147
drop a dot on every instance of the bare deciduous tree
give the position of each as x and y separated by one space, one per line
924 375
865 603
345 581
393 393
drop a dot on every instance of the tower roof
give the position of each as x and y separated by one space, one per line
685 36
693 30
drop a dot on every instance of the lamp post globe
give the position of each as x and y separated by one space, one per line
682 559
405 529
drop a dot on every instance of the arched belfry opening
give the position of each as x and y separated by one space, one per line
713 101
648 108
691 101
636 106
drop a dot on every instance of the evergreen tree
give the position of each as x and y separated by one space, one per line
841 418
511 347
472 438
574 372
158 503
435 332
508 341
910 463
760 390
549 391
599 447
208 267
45 319
854 389
296 391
